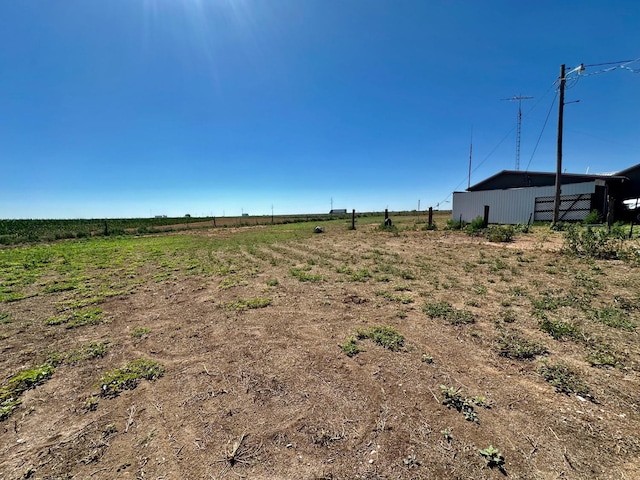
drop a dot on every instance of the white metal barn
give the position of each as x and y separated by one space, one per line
519 197
519 205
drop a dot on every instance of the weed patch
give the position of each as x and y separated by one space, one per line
387 337
558 329
88 351
446 311
453 398
18 384
399 298
563 378
512 345
594 242
140 332
232 281
129 376
500 233
614 317
351 347
79 318
304 275
249 303
604 356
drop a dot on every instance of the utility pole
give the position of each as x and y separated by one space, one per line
470 155
556 201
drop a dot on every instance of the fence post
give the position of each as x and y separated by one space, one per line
353 219
430 222
486 216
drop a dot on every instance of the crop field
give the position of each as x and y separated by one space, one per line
269 352
13 232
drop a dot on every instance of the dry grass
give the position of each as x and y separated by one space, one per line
256 385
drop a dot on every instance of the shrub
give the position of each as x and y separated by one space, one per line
476 226
592 218
500 233
455 224
594 242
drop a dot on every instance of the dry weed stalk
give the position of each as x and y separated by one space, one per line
239 453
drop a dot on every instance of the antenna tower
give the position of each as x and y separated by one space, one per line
519 99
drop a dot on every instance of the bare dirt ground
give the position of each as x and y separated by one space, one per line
268 393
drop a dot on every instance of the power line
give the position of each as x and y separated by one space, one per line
542 131
610 63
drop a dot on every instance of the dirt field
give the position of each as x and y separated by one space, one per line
251 326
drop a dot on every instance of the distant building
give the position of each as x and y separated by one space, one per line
245 214
517 196
337 211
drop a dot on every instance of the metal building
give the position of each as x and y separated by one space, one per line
519 197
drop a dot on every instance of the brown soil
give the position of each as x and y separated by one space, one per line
275 380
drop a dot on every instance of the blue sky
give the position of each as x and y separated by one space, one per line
126 108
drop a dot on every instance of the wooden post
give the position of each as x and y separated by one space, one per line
610 207
386 213
214 221
430 222
486 216
353 219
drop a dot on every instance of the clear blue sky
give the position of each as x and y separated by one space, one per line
125 108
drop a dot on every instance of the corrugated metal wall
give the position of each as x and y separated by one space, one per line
509 206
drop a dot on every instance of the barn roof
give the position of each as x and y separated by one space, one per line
520 179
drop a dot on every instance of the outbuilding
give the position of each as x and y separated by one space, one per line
519 196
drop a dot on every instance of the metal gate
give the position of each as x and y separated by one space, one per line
572 207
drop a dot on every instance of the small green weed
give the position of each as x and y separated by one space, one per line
351 347
508 316
493 457
140 332
273 282
5 318
426 358
452 398
563 378
129 376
